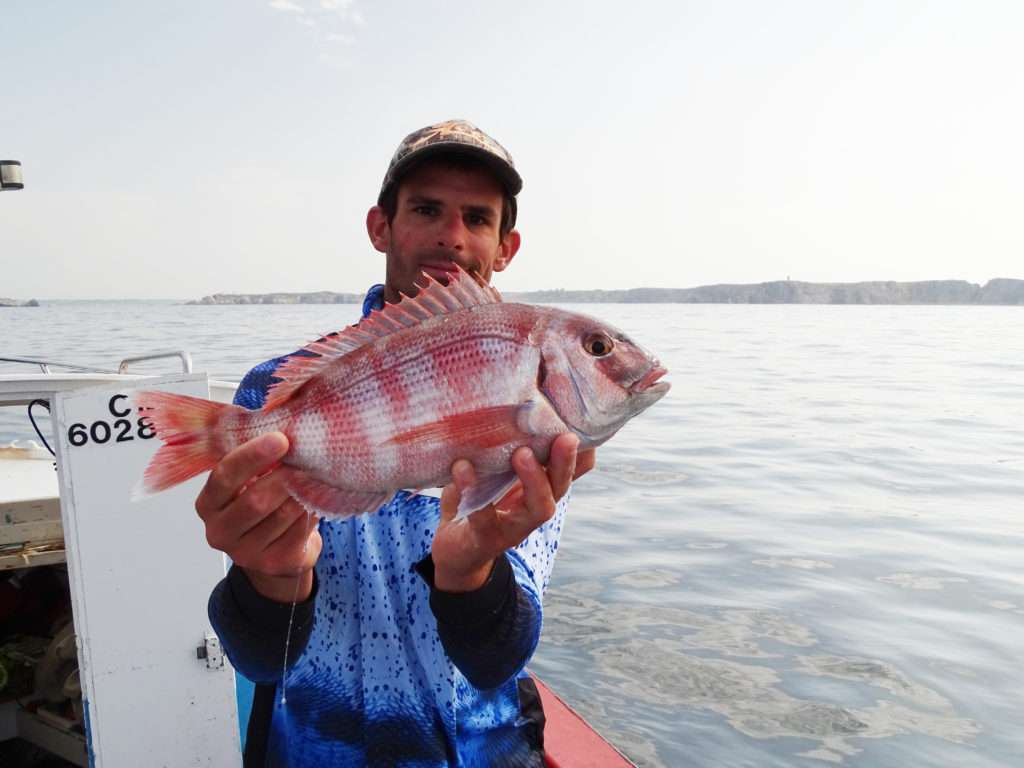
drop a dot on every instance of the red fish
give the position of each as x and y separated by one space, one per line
392 402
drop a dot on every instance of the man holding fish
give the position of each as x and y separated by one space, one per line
407 620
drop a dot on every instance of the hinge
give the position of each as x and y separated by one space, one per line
212 652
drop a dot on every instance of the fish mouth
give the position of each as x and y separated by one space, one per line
649 382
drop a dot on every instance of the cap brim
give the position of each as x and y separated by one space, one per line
506 174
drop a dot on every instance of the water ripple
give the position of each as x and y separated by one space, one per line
807 553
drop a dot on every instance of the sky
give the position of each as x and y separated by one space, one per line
175 150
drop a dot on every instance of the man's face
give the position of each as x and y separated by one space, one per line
445 216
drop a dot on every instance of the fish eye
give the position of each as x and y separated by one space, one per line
598 344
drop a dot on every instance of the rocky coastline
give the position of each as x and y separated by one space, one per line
318 297
15 303
1000 291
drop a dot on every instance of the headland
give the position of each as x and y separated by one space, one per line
1000 291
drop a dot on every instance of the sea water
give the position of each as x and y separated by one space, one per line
809 553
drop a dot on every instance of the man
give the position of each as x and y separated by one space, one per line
412 629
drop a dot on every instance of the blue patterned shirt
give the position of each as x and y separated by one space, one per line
375 682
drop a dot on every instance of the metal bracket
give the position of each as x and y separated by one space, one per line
212 652
184 357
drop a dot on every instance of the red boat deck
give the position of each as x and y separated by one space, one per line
570 741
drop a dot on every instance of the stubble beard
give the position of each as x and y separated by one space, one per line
412 277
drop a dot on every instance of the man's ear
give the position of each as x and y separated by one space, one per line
378 229
507 250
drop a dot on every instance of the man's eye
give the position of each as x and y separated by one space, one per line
425 210
476 220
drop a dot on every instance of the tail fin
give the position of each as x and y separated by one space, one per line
186 425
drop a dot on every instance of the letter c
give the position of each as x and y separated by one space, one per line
114 410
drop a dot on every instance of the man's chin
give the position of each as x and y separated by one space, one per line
411 284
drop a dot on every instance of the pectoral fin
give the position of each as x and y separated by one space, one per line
483 428
487 490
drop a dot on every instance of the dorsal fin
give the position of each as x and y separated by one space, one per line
464 290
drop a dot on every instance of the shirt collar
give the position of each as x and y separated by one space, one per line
374 299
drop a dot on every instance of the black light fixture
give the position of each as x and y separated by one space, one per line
10 175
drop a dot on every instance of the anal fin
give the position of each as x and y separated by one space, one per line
333 503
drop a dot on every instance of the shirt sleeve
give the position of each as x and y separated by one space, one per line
491 633
254 629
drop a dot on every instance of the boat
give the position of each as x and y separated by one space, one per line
572 742
103 635
118 641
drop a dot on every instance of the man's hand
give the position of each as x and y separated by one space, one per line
464 551
251 518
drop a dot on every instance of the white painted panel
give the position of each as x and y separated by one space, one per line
141 573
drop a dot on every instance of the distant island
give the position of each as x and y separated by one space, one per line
318 297
16 303
1001 291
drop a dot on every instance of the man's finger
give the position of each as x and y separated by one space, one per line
585 461
295 550
238 468
463 477
537 496
225 527
562 464
267 530
449 503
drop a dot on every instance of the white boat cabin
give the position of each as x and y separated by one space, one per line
107 658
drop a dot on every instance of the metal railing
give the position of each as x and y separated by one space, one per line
46 365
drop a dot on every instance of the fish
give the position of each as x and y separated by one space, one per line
392 402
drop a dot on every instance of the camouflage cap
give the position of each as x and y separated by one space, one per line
453 137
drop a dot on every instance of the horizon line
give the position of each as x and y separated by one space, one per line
521 291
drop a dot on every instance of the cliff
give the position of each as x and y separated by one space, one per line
998 291
1002 291
16 303
319 297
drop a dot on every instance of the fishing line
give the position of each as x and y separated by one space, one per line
291 616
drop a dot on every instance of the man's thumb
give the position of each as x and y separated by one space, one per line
462 478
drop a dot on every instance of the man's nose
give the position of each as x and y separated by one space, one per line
452 233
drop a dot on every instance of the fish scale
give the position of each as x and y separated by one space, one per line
392 402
